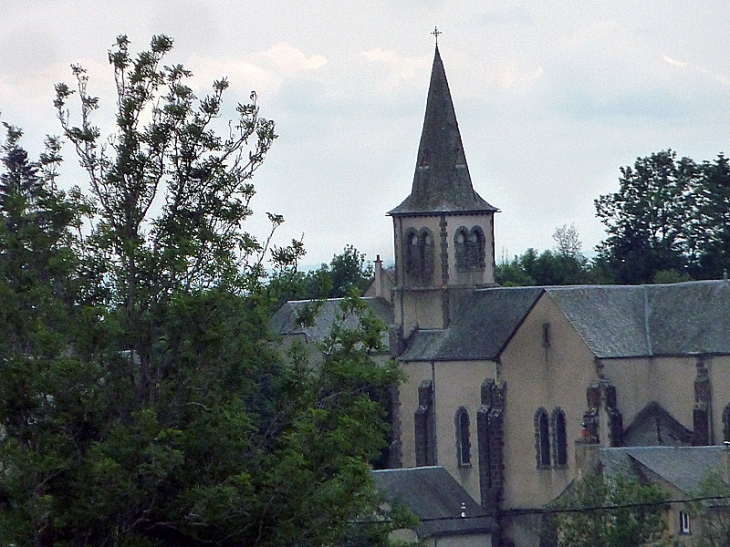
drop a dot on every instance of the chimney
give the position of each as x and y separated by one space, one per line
378 277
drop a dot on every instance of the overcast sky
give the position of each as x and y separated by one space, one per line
552 97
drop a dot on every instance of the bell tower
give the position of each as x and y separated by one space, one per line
443 231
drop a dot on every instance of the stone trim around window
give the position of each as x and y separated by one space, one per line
559 439
542 439
463 443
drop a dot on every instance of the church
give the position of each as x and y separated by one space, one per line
510 390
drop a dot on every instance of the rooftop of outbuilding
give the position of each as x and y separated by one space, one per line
286 320
685 467
436 498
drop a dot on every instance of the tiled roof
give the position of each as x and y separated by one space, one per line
483 322
436 498
683 466
649 320
614 321
441 183
285 320
654 426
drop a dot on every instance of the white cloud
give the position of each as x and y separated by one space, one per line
400 68
717 76
674 62
264 71
286 59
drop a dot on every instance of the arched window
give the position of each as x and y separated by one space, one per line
419 255
463 445
469 249
542 438
560 438
726 423
476 249
426 255
460 247
411 252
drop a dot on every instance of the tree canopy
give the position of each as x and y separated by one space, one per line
143 399
669 215
346 273
609 512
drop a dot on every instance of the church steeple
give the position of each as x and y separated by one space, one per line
441 183
443 231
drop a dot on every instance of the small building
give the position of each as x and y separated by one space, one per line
448 516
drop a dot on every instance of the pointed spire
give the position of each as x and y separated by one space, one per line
441 183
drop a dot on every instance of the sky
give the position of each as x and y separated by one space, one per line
552 97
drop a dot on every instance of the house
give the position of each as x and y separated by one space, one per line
681 472
501 382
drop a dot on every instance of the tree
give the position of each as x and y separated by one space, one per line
346 273
564 265
710 252
647 218
609 512
668 221
568 241
152 407
712 515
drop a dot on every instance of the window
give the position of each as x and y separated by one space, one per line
475 249
463 446
419 255
542 438
560 439
726 423
462 259
424 423
683 522
469 245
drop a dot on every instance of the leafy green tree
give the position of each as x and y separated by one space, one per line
668 221
616 512
711 517
648 218
144 401
710 251
563 266
347 272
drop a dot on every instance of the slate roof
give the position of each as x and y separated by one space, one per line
649 320
654 426
436 498
615 321
285 320
441 183
682 466
482 324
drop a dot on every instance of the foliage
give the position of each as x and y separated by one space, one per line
568 241
669 215
616 512
563 266
712 516
346 272
142 398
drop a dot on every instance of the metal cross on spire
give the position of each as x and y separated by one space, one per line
436 33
